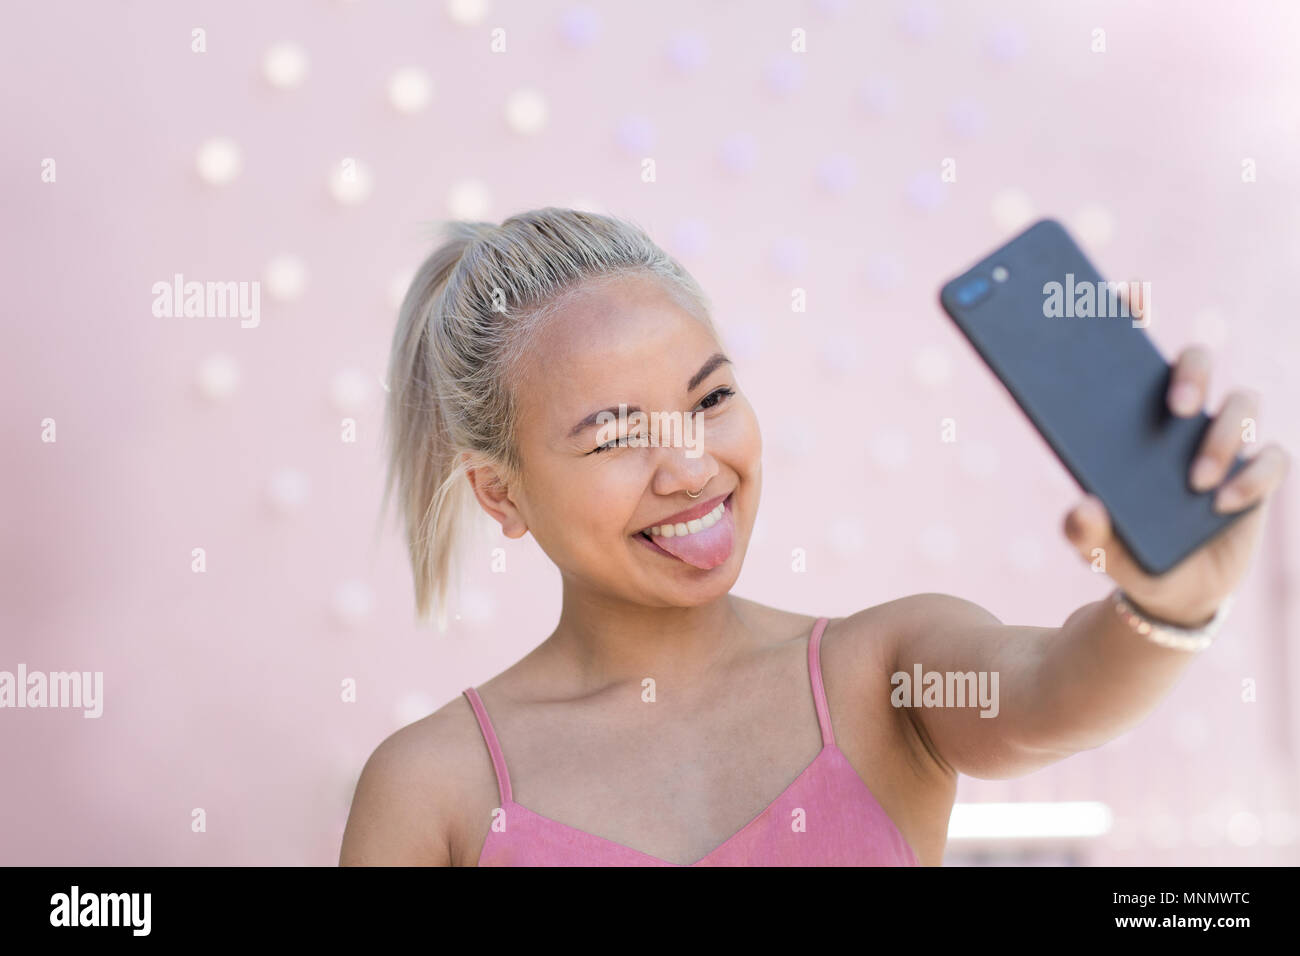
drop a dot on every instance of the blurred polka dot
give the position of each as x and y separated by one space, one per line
349 389
687 52
350 182
888 449
1012 209
966 118
919 21
1190 731
1281 828
635 135
285 278
782 75
285 65
884 271
1025 553
478 606
794 438
409 708
878 96
1094 225
835 173
1210 328
739 154
938 543
840 354
467 13
469 199
976 458
526 111
788 255
1163 830
925 190
847 537
397 287
931 366
1244 829
691 237
218 377
1007 42
409 90
744 340
219 161
352 602
580 27
288 490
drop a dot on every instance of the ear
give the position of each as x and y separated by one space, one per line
494 495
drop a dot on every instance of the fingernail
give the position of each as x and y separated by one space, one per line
1229 499
1183 399
1203 473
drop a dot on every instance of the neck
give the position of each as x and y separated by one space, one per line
613 642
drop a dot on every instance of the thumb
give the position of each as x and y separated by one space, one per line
1088 528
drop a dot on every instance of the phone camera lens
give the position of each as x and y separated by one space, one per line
973 291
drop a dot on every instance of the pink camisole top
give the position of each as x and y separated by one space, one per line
827 816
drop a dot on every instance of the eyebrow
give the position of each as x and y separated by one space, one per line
707 369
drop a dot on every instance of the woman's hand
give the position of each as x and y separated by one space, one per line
1189 593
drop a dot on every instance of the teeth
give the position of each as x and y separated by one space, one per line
693 526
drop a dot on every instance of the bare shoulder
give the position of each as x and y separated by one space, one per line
410 803
894 619
867 648
860 654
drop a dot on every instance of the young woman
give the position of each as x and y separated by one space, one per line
664 720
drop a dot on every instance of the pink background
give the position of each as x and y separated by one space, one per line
775 170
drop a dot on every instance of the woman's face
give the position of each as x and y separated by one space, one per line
628 341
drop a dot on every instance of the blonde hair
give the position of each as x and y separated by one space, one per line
465 322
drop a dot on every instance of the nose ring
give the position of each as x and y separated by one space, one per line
696 495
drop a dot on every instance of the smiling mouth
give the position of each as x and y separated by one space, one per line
702 542
681 529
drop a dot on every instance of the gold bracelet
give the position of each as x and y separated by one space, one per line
1165 633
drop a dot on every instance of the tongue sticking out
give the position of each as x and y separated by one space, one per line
705 549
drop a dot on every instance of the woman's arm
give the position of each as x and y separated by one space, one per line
1061 690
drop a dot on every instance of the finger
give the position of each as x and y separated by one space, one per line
1222 440
1190 381
1089 529
1255 481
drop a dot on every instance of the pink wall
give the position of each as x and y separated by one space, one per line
774 170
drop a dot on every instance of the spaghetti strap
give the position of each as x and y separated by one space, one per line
819 690
494 747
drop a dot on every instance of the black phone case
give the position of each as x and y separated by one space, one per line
1095 388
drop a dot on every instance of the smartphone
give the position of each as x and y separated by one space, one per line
1079 363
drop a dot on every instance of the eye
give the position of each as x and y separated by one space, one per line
623 442
721 395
